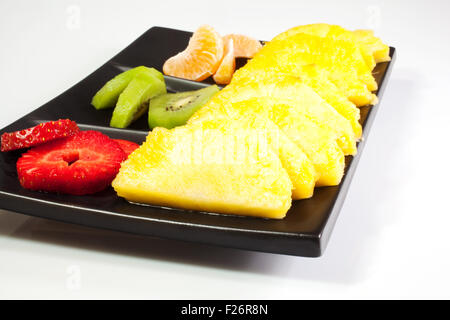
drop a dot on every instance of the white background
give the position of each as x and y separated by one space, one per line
391 239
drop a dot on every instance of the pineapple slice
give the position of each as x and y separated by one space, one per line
336 32
298 166
318 80
379 50
319 143
207 169
341 58
300 98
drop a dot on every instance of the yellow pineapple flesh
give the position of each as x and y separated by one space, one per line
340 58
332 31
299 97
319 143
298 166
187 167
379 50
318 80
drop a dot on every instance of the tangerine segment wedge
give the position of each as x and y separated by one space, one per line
226 68
200 59
244 46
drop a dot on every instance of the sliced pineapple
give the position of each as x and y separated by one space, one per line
300 98
206 169
298 166
318 142
341 58
333 31
379 50
318 80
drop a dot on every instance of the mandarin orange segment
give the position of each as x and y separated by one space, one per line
200 59
227 66
244 46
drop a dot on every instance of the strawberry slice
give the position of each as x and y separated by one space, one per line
39 134
84 163
127 146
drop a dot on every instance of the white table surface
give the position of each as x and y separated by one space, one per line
391 239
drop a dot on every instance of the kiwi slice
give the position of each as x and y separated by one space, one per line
133 101
174 109
107 96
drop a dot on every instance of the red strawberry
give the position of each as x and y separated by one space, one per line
84 163
39 134
127 146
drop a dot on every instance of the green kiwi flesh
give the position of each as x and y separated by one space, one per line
174 109
108 95
133 101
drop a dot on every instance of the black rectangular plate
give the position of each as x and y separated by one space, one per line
304 232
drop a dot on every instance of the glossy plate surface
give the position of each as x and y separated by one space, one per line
304 232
